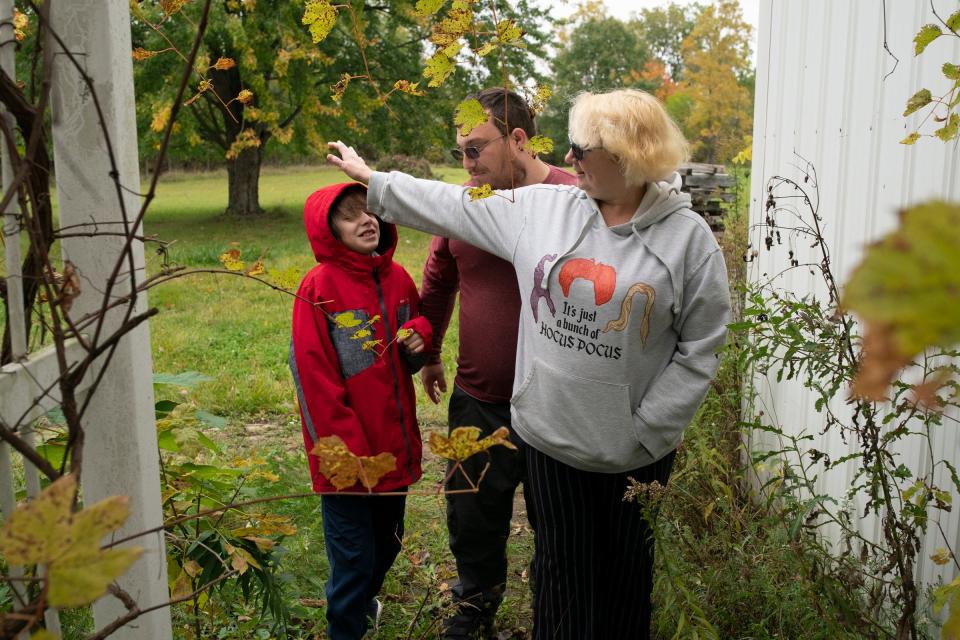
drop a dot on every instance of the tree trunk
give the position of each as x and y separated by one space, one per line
243 183
243 171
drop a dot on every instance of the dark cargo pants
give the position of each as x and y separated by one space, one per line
479 523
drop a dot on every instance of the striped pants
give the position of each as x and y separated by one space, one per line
593 563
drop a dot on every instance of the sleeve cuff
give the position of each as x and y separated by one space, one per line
376 187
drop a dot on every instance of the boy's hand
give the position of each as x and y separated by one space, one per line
349 161
433 381
412 343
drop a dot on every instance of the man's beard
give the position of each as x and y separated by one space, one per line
512 177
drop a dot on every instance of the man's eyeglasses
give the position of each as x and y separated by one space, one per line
473 151
577 151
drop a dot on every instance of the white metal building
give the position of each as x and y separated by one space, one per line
828 92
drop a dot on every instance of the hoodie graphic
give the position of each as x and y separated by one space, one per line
363 396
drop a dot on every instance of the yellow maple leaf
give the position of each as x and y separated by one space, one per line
465 442
347 320
371 345
47 531
454 26
360 334
231 261
403 334
479 193
438 69
245 96
469 115
344 469
372 468
429 7
540 97
508 32
321 17
408 87
539 144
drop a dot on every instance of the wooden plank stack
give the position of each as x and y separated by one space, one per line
711 189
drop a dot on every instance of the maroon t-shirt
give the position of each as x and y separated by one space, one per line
489 310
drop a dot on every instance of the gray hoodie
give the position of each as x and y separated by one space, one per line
620 326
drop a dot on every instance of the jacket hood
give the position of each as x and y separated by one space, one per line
662 198
327 249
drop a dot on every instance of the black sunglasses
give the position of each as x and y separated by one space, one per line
472 152
577 151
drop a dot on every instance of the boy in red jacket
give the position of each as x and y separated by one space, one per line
365 396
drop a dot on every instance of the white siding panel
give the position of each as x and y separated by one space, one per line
829 94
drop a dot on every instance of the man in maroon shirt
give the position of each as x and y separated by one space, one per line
479 524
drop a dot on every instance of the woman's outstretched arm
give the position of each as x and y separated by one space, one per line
493 224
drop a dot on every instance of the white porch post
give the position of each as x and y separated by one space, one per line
121 456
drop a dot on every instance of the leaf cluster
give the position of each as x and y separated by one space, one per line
942 109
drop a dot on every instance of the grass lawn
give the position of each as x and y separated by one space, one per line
237 332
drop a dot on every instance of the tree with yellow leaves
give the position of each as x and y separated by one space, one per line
718 78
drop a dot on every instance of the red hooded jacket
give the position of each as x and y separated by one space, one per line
365 398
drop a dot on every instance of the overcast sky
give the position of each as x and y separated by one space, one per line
624 9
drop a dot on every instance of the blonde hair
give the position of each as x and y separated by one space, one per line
632 126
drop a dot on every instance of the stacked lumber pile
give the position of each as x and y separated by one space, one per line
711 189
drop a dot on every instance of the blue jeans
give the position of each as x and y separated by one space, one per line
362 536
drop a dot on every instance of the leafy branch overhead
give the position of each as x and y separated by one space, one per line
941 109
47 531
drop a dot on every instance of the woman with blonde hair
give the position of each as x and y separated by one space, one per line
625 306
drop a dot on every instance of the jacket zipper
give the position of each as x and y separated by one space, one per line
393 371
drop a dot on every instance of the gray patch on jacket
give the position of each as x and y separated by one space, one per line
353 358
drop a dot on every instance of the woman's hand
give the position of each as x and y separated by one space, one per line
413 343
349 162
